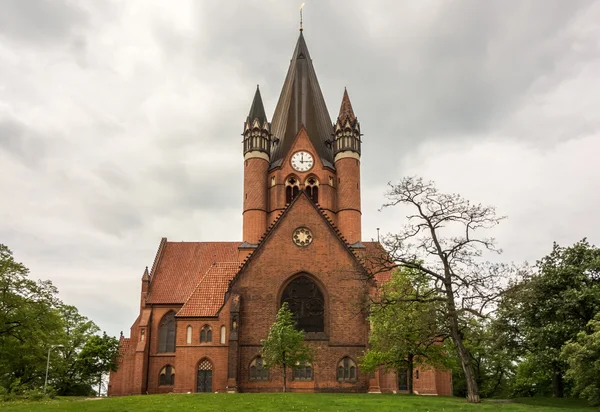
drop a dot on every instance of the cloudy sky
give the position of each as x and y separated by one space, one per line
120 121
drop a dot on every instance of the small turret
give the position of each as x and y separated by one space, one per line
346 152
257 131
145 286
346 129
257 153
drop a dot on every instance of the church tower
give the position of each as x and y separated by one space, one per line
257 152
346 151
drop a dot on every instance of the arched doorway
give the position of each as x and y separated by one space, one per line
306 302
204 382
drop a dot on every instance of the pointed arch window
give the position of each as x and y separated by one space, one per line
188 337
303 372
292 188
258 370
306 302
206 334
312 188
166 333
166 376
346 370
223 334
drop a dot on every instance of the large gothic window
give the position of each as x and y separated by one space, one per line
258 371
306 302
166 333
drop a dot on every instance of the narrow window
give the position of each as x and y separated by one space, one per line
417 374
346 370
166 333
167 376
188 339
312 188
292 188
258 371
223 332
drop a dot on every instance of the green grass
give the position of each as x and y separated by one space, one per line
292 402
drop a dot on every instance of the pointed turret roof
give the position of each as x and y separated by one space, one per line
301 103
257 110
346 111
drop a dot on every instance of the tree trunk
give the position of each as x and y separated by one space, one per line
558 387
463 353
284 377
410 359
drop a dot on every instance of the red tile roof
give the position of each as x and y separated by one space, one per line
375 259
207 298
182 265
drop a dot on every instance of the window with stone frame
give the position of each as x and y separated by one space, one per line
188 337
312 188
206 334
223 335
166 377
166 333
306 302
346 370
258 371
303 372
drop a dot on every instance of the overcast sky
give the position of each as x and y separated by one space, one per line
120 121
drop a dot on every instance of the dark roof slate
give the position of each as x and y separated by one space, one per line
257 110
300 103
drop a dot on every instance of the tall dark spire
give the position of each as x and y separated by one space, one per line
346 111
346 129
257 131
257 110
301 103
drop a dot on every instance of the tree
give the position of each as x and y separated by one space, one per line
29 321
99 356
285 347
541 313
439 242
583 359
405 332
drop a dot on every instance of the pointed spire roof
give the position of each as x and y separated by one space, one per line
346 108
146 275
301 103
257 110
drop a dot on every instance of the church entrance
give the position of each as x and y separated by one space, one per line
204 376
402 380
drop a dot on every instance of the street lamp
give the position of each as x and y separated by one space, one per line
48 364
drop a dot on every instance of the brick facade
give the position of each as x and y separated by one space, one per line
234 289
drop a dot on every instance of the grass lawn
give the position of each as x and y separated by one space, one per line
291 402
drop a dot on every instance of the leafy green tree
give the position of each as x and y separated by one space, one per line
69 377
405 331
99 356
540 314
284 346
583 359
442 240
29 323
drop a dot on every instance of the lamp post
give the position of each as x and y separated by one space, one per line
48 364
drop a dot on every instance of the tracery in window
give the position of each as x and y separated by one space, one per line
303 372
258 371
346 370
166 333
306 302
292 188
312 188
206 334
166 376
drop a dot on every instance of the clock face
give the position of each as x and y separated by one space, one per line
302 161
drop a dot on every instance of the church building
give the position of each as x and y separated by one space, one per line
206 306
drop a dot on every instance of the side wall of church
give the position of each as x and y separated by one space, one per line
329 264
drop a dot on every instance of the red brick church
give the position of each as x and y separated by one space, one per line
205 306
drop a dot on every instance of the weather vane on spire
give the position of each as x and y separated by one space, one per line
301 7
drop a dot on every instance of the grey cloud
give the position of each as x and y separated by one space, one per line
17 139
40 21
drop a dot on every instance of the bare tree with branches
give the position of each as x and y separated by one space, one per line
439 242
